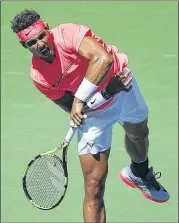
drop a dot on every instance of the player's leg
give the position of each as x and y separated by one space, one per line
137 145
138 174
94 142
95 169
134 121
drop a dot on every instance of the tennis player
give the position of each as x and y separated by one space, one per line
70 65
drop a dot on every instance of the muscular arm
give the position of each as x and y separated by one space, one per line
100 61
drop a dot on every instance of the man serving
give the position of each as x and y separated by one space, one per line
81 73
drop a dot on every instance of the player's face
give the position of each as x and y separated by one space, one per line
41 45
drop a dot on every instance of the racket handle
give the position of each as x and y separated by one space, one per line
70 134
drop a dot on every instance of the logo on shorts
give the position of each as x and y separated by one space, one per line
91 144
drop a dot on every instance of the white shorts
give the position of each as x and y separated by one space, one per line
96 134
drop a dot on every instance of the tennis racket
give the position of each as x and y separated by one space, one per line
45 179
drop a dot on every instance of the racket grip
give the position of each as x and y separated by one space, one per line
70 134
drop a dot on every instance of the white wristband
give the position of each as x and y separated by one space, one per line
85 90
96 101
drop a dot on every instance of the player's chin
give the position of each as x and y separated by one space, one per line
48 53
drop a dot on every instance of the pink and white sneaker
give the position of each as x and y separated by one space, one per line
149 186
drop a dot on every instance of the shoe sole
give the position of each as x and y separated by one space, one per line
132 185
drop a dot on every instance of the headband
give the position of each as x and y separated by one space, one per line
31 31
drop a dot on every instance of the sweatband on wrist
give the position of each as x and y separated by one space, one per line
85 90
96 101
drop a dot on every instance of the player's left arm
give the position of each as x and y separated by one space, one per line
66 101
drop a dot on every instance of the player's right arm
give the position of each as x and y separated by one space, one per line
65 102
62 98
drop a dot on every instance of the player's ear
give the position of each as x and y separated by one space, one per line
22 43
46 25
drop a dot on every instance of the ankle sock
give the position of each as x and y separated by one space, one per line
140 169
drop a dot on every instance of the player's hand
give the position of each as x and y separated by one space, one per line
120 82
77 112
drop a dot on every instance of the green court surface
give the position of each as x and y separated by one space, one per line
31 124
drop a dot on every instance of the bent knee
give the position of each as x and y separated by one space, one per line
139 131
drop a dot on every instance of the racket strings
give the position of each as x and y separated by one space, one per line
45 180
46 188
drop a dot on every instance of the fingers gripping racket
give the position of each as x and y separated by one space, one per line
45 179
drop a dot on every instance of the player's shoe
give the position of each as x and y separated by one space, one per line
149 186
